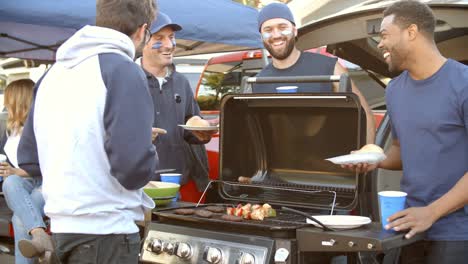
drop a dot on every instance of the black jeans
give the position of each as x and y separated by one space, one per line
97 249
435 252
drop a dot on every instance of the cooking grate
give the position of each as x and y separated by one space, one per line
282 221
324 197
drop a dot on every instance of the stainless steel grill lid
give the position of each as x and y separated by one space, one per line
279 143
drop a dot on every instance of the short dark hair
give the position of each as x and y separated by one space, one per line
125 15
409 12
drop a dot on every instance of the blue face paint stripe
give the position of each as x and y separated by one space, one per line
159 44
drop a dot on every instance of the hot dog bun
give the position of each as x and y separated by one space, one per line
370 148
196 121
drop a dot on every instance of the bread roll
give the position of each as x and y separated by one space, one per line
196 121
370 148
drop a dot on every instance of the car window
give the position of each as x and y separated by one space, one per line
193 78
216 84
220 79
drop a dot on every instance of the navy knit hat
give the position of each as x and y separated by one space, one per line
163 20
274 10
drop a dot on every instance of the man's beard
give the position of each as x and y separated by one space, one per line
397 59
283 54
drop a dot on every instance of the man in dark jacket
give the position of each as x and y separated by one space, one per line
174 105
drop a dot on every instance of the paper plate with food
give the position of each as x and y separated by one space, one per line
370 153
198 124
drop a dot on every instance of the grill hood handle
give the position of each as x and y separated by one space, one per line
324 227
164 171
343 79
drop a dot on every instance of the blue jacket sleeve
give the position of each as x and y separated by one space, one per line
28 158
128 118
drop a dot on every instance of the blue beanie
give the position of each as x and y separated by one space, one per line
274 10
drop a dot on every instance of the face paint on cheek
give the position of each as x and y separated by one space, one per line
266 35
157 45
285 33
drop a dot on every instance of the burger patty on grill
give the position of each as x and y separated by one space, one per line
184 211
204 213
232 218
215 209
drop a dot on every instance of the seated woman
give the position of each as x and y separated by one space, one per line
22 191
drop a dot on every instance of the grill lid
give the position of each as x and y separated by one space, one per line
278 144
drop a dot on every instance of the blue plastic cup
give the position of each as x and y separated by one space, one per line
286 89
390 203
172 177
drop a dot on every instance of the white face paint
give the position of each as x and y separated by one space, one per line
286 33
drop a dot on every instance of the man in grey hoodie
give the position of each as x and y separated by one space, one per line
89 135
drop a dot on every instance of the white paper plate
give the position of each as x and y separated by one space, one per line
341 221
198 128
371 158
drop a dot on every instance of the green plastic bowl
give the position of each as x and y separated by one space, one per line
158 191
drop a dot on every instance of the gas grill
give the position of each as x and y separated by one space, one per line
279 142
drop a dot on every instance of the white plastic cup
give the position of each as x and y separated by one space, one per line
286 89
390 203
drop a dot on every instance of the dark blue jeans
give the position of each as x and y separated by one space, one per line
435 252
97 249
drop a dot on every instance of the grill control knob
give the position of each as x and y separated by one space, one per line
184 250
213 255
351 244
168 248
247 258
370 246
155 246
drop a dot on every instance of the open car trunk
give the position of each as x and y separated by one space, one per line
353 34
